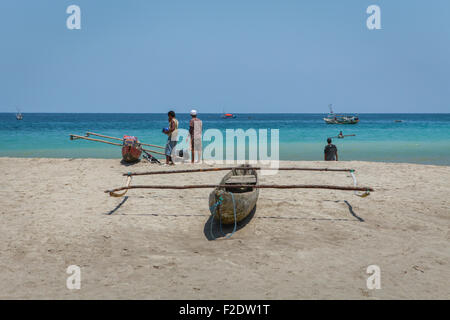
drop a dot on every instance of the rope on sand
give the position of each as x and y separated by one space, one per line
118 195
366 193
235 220
213 210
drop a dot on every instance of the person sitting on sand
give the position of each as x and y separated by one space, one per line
195 132
172 137
330 151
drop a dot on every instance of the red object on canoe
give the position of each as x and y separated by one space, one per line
131 150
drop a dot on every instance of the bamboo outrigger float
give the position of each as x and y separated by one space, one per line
131 147
237 193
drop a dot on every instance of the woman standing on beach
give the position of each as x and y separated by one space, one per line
172 137
195 132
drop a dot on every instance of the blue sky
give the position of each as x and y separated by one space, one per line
238 56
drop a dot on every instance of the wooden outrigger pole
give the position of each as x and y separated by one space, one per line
88 134
231 168
103 136
113 192
75 137
260 186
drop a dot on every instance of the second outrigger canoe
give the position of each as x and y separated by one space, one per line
131 149
131 146
228 200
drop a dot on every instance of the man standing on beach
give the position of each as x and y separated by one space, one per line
331 153
195 132
172 137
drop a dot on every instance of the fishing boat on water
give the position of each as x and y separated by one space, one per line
235 204
342 136
333 118
228 116
19 115
131 147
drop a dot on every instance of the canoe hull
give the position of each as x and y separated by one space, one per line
131 154
245 202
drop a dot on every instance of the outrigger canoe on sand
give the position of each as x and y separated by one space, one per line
131 146
236 195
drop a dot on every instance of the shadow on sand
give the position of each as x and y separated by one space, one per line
213 231
127 164
350 208
118 206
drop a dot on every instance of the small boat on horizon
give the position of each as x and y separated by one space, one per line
333 118
228 116
19 115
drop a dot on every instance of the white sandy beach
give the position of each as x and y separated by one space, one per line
300 244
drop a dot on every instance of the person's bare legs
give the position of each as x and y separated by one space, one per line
199 156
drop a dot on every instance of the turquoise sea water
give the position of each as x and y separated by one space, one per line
420 138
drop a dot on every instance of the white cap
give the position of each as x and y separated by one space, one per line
193 112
